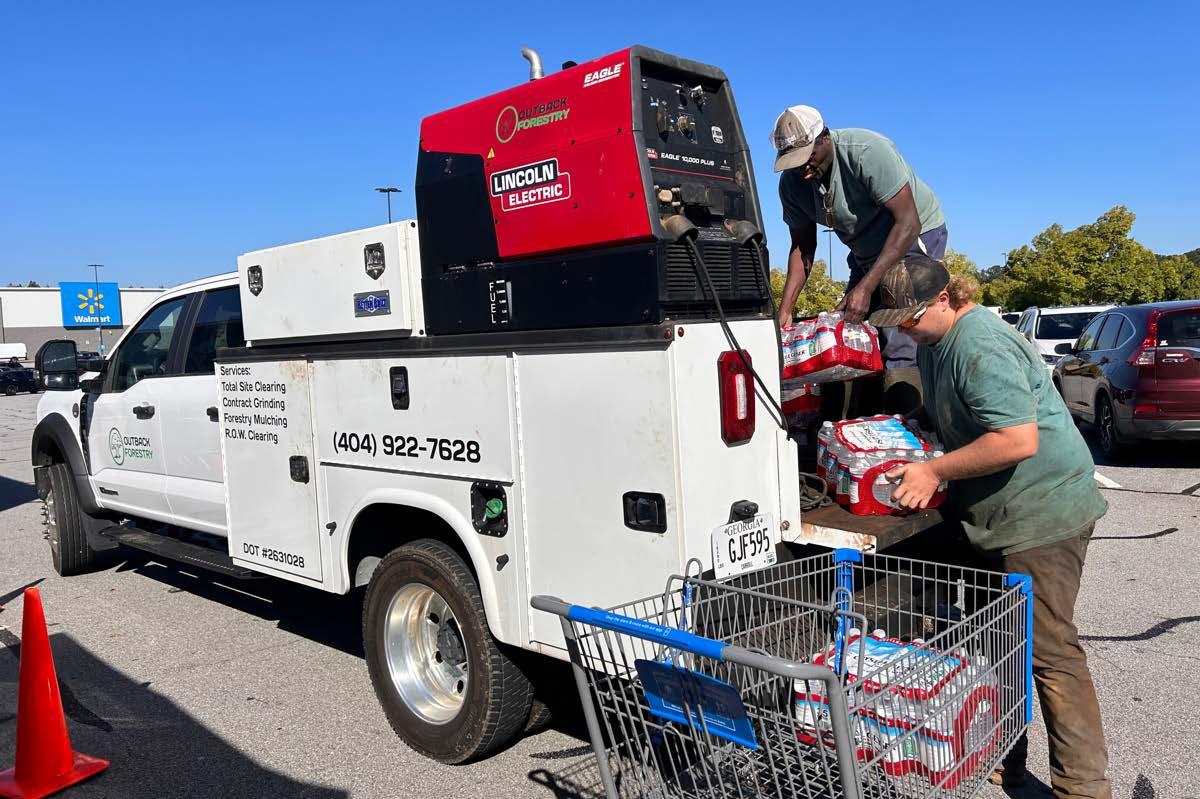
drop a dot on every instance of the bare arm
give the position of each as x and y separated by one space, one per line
992 452
800 263
904 232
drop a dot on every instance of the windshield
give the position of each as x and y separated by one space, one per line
1180 329
1063 325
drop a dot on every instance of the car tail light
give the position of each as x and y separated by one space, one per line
1144 354
1139 410
736 385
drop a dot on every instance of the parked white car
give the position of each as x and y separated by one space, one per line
1046 328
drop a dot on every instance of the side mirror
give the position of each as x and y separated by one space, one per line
57 362
1066 348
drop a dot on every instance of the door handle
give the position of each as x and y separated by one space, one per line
143 411
212 413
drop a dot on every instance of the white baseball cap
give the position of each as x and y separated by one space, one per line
795 132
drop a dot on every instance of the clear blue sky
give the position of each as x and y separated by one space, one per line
163 139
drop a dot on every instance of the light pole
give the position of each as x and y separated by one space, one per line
389 191
829 261
96 283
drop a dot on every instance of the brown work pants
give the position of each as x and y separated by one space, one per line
1078 758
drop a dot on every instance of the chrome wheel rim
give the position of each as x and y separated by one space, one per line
426 653
51 523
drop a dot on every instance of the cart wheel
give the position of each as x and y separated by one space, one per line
447 687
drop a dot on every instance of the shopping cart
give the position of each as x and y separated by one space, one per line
838 675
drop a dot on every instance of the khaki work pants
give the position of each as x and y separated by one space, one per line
1078 758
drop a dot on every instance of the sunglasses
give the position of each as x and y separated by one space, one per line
911 322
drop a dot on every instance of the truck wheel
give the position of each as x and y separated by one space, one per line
447 688
69 549
10 390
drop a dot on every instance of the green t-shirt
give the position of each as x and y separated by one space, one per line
866 172
983 376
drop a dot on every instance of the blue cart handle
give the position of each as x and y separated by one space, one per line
649 631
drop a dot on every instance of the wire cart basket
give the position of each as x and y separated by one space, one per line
838 675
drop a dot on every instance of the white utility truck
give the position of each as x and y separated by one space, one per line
454 413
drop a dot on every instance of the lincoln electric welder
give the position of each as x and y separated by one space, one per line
561 202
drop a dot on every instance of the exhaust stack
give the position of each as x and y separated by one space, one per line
535 62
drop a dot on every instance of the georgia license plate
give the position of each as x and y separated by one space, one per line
743 546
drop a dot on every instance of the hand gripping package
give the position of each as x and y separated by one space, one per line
914 708
854 457
829 348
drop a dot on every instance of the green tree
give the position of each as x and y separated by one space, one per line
959 264
1188 287
820 293
1094 263
962 266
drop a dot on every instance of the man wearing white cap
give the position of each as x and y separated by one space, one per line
855 182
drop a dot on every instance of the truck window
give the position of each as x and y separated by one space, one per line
219 324
145 351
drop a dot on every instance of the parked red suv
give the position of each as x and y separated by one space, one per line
1135 373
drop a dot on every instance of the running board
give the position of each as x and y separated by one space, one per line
207 558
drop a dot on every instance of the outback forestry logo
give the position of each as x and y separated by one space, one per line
511 121
133 447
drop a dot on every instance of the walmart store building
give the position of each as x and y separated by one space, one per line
32 316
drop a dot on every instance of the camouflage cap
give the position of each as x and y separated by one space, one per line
909 286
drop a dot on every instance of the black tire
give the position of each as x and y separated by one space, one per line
69 549
496 695
540 716
1111 443
10 390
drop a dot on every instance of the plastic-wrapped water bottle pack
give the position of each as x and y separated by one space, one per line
926 711
828 348
854 457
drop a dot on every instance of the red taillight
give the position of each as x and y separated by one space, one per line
736 385
1144 354
1141 410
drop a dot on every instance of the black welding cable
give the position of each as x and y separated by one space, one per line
763 274
811 497
702 274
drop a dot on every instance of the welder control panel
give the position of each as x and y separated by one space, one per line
692 144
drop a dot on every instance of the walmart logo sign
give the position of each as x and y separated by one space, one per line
87 304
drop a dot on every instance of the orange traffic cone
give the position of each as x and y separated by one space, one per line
45 762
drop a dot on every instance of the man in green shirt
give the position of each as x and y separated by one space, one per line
855 182
1022 482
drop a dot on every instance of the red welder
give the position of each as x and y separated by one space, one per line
550 205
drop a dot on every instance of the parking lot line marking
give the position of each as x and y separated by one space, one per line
1104 481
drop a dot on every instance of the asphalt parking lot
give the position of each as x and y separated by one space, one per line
194 688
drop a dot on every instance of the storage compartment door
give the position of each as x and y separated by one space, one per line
270 476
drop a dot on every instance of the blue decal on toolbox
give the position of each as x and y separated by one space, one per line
714 705
373 303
